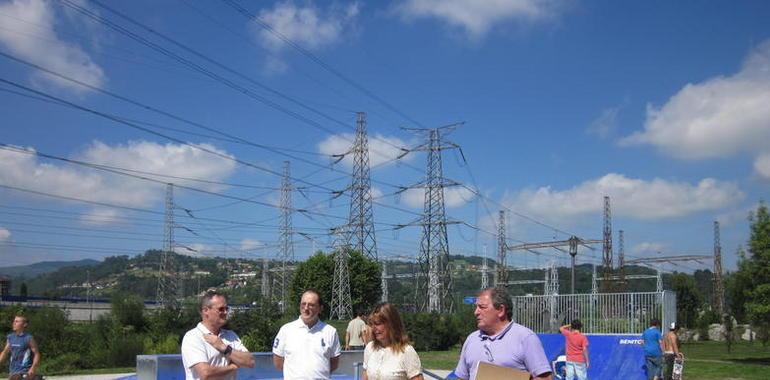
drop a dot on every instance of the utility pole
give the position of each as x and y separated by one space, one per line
607 246
88 297
434 246
166 292
341 306
573 242
553 281
719 289
502 250
265 278
361 237
287 244
621 261
384 281
573 249
358 234
484 270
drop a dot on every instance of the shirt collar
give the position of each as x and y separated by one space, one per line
318 324
497 336
202 328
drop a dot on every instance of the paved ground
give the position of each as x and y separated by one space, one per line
90 377
114 376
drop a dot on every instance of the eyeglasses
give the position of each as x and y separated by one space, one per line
221 309
488 351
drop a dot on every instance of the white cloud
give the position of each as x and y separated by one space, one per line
453 197
193 249
4 234
101 216
381 149
646 247
21 20
376 193
309 26
250 244
605 125
734 216
636 198
477 17
25 171
718 117
762 165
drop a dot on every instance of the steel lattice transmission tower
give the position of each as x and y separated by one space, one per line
265 279
384 282
361 236
607 246
621 262
434 246
287 232
552 279
501 275
341 306
166 294
719 289
358 234
484 270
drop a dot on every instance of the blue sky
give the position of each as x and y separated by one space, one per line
661 105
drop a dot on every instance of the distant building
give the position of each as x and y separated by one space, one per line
5 286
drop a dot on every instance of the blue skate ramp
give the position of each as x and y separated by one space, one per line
611 356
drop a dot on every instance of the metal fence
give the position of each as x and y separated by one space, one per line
601 313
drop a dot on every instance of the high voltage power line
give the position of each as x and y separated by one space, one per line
205 71
135 124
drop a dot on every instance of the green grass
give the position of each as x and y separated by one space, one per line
703 360
710 361
440 359
95 371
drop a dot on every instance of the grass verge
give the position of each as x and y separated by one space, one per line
704 361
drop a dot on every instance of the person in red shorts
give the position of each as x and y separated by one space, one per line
577 351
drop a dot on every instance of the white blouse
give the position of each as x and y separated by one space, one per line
386 364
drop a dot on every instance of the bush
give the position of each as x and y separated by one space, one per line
167 345
704 320
128 309
49 325
65 363
257 327
433 331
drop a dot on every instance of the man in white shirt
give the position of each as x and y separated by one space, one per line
354 339
208 350
307 348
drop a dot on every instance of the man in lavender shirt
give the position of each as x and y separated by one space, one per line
500 341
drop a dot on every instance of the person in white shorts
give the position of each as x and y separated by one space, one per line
307 348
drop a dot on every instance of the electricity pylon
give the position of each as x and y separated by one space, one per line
341 306
166 293
719 289
358 234
361 232
501 275
484 270
434 246
621 262
607 246
286 239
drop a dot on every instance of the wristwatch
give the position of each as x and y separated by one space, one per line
227 350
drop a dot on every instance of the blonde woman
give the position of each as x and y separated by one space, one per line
390 356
